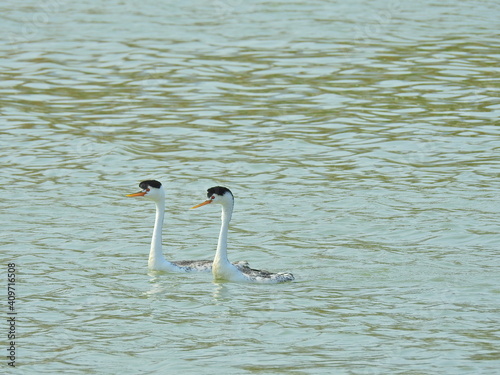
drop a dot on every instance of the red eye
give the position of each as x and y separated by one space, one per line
213 197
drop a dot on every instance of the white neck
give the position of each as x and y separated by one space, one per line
155 254
221 253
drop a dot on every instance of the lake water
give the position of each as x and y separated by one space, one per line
361 140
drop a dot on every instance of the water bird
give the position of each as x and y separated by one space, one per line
222 269
153 190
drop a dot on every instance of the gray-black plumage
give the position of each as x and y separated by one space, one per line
219 190
153 183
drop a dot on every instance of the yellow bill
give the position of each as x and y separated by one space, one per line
139 194
202 204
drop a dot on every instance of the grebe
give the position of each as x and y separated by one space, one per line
153 190
222 269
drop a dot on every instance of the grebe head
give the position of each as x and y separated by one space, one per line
218 194
151 189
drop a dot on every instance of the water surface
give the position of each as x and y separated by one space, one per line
360 140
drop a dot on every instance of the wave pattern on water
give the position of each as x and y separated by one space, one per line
360 139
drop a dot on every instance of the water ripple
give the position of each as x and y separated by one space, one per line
360 140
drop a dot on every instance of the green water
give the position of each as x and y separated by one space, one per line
360 140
